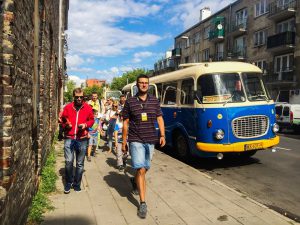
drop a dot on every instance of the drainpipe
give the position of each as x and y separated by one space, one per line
60 53
35 88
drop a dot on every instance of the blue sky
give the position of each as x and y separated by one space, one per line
109 37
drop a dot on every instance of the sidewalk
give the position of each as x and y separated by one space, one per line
176 194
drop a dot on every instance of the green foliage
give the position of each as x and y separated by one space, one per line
119 82
89 90
40 201
68 95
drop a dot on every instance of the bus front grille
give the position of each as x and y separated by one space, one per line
250 126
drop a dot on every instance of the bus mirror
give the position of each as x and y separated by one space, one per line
196 97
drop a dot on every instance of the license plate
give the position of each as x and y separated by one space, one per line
253 146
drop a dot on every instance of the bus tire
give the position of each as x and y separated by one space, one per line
181 146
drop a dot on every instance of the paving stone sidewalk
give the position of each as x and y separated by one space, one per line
176 194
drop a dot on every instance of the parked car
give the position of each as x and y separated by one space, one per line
288 115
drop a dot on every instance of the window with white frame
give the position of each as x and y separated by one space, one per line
261 8
219 51
262 64
284 63
287 25
260 38
206 54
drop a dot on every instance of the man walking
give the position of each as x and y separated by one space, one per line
140 114
77 117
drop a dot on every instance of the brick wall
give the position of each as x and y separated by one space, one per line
20 159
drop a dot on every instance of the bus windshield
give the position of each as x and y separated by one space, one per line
220 88
254 87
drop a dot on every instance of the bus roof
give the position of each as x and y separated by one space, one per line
197 69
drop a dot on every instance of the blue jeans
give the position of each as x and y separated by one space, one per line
141 154
79 148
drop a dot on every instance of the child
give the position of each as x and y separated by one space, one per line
121 158
93 134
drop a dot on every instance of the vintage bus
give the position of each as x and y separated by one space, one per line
216 108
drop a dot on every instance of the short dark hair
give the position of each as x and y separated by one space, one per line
141 76
94 93
122 95
77 90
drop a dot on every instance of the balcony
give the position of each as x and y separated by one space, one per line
281 42
238 28
282 11
164 65
286 76
239 53
217 35
176 52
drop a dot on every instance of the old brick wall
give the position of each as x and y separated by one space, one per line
20 160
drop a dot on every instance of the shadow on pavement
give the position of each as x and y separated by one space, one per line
210 164
122 184
69 221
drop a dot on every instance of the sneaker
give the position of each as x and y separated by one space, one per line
121 168
134 186
89 158
67 188
77 189
142 211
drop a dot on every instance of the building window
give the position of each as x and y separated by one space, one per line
206 32
186 59
260 38
198 57
241 16
197 37
206 54
287 25
261 8
262 64
284 63
219 52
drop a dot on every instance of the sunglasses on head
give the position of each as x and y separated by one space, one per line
77 97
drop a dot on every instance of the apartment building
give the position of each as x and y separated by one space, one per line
262 32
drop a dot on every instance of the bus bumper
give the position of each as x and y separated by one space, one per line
238 147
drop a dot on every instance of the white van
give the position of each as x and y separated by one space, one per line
288 115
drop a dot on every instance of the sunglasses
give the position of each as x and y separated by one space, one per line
77 97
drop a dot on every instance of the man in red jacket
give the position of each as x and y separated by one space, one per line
76 118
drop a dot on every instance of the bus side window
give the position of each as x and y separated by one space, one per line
169 96
159 90
187 90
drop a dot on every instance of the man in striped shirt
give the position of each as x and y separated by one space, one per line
139 115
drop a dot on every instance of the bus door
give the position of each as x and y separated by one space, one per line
186 113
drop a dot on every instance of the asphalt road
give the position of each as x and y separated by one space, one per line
270 177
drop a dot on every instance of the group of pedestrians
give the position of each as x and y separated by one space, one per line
131 123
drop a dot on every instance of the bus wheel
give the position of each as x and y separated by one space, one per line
181 146
247 155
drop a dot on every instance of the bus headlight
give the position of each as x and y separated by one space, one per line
275 128
219 134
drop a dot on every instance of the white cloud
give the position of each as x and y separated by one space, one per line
140 55
188 12
93 26
74 60
78 81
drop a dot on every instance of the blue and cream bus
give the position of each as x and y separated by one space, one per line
211 109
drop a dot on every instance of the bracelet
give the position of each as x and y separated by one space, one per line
162 135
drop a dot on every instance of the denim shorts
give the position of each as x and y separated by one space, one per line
141 154
93 140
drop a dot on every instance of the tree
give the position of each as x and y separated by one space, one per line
89 90
119 82
68 95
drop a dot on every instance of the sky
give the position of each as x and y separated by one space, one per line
107 38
